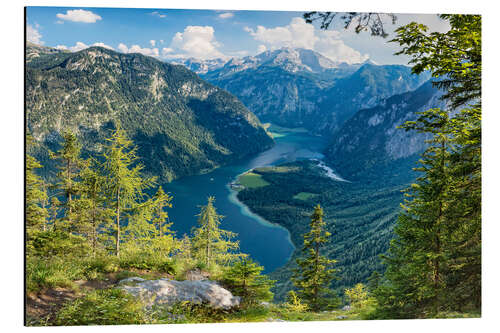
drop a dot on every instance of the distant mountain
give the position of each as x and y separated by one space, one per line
200 66
182 124
288 59
369 143
302 88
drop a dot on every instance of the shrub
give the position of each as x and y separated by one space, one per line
103 307
52 272
56 243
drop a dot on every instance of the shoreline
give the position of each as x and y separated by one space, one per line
245 210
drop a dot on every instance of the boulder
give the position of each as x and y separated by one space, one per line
197 275
131 280
169 292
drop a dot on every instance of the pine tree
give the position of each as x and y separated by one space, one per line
315 273
434 262
54 211
161 200
36 214
94 215
69 165
417 257
212 245
244 279
124 179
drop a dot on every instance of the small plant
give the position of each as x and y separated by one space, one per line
103 307
294 304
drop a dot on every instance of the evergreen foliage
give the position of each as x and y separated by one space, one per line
244 279
315 272
124 180
36 214
434 262
212 245
69 165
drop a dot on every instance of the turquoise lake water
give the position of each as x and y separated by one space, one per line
266 243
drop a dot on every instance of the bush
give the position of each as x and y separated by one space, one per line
148 261
56 243
103 307
52 272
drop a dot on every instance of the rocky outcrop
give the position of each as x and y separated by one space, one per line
371 139
168 292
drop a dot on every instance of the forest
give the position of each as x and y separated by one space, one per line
103 218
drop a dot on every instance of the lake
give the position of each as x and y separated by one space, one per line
266 243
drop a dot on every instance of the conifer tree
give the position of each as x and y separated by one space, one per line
94 216
315 273
54 211
124 179
161 200
36 215
69 165
244 279
211 244
434 262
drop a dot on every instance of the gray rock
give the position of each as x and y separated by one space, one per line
341 317
265 304
169 292
132 279
197 275
346 308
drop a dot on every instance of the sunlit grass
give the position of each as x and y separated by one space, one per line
304 196
252 180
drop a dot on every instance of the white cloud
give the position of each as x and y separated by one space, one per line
33 35
226 15
80 46
197 42
299 34
152 42
79 15
153 52
158 14
166 50
261 48
103 45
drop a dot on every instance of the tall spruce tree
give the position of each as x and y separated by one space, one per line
212 245
36 214
244 278
434 262
94 215
418 258
161 200
315 272
69 165
125 181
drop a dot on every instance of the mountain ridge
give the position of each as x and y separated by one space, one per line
182 124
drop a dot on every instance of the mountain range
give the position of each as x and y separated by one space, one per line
302 88
181 124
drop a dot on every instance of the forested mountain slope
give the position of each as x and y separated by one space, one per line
370 144
377 160
181 124
302 88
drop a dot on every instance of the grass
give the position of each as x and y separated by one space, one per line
304 196
252 180
102 307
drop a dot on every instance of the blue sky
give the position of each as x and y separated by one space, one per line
173 33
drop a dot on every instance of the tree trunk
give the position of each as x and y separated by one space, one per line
118 224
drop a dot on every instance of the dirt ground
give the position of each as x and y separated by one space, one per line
42 307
